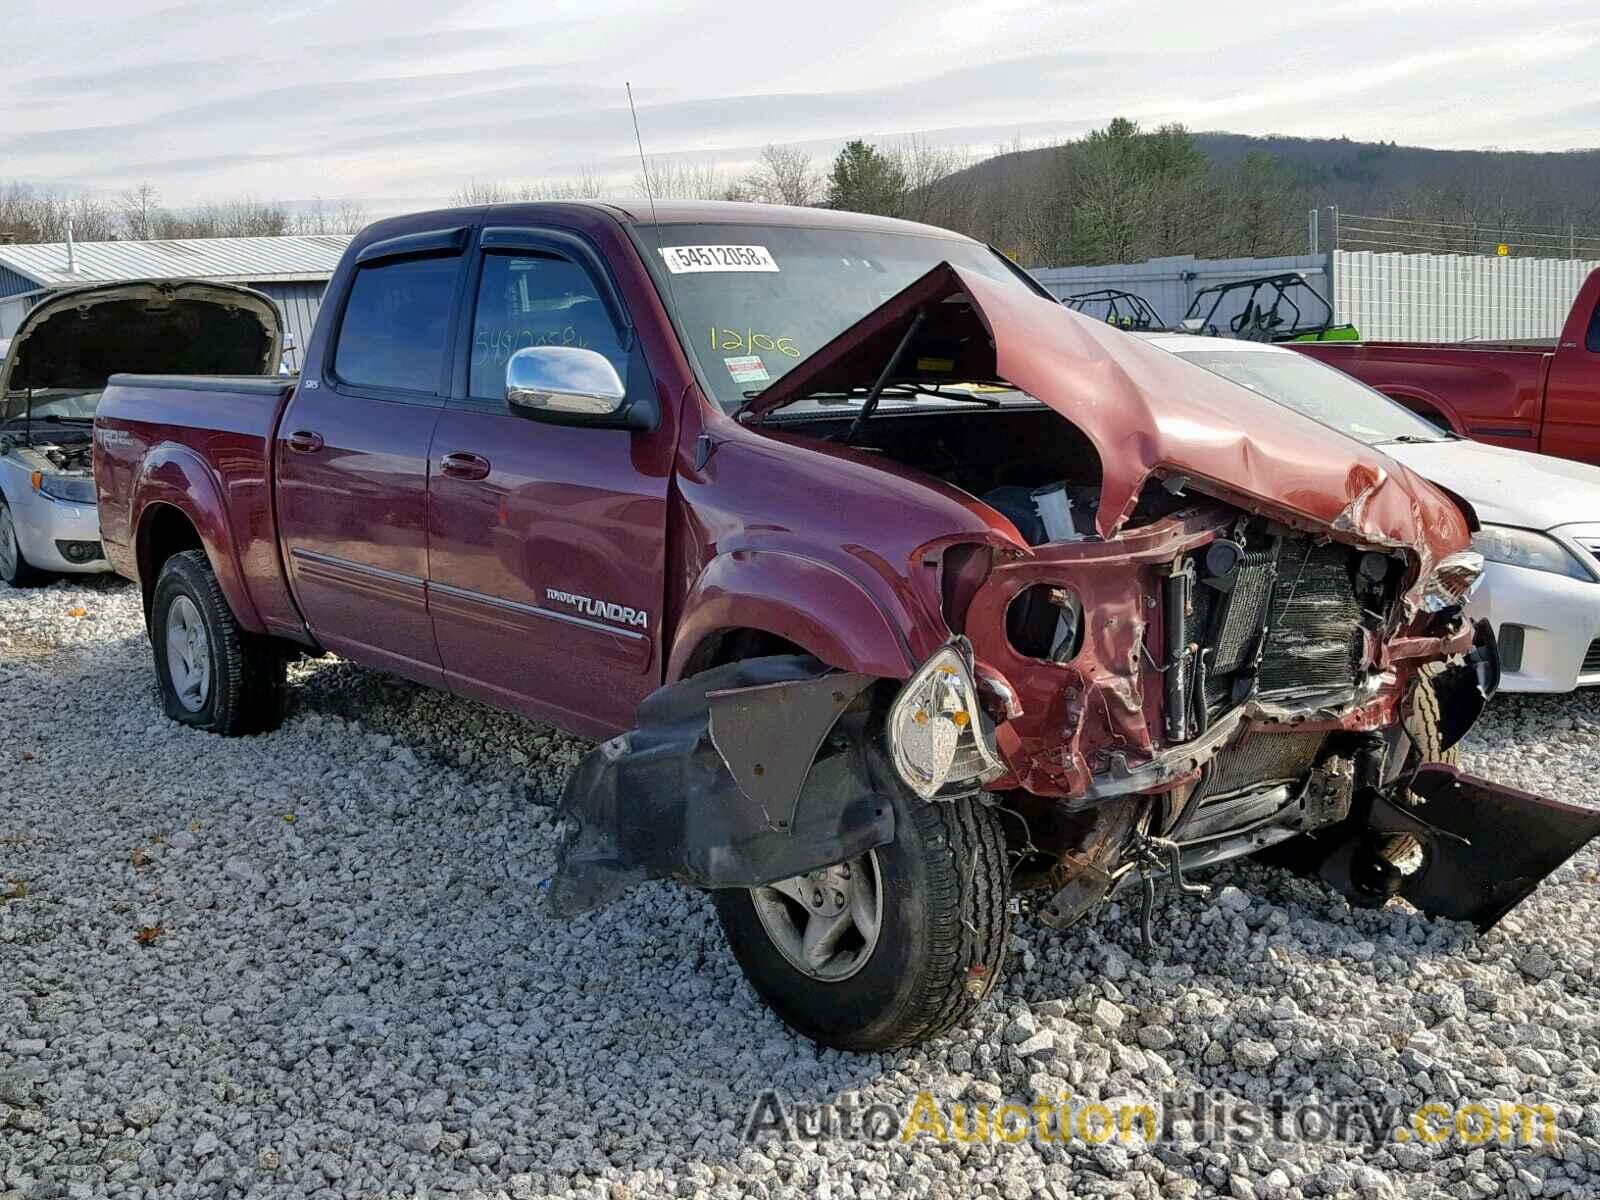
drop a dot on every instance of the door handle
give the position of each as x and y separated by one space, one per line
305 441
463 464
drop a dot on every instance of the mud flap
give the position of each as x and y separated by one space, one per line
740 776
1464 687
1485 847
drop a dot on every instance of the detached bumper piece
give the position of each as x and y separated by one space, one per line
1484 847
738 777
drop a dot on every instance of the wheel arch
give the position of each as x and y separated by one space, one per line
179 507
769 602
1428 406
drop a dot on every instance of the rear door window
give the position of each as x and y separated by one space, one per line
395 334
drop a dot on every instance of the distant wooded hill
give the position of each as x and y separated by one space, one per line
1372 177
1123 193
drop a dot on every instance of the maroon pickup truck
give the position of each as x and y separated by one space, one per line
893 588
1539 396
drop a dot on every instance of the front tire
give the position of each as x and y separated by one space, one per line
925 944
1423 725
15 569
212 674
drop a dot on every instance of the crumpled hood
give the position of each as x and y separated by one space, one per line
77 339
1143 409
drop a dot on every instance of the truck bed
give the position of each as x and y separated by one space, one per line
187 432
1487 391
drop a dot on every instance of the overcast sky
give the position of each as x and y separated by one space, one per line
394 103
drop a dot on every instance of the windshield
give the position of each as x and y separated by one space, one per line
1319 392
64 406
752 301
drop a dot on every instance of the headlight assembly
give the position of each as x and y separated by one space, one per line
1526 548
1455 577
936 735
72 489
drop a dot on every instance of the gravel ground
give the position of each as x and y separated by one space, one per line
315 963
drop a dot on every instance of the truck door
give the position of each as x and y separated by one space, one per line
1572 391
352 457
547 541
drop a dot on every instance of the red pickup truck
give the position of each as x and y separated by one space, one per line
1539 396
894 588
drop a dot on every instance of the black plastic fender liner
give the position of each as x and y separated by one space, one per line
1465 686
1498 843
665 801
1485 847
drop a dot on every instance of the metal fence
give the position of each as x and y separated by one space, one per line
1169 284
1420 235
1386 296
1454 297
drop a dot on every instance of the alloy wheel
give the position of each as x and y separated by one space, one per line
188 654
825 922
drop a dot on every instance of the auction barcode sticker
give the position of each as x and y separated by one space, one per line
686 260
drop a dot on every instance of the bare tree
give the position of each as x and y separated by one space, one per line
924 166
343 216
141 212
665 179
783 175
1262 212
244 217
588 184
481 191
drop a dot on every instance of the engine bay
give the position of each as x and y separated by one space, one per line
61 457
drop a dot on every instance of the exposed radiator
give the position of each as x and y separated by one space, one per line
1315 638
1241 612
1263 759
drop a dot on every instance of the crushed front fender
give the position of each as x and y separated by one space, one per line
737 777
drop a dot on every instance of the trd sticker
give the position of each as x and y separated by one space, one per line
605 610
687 260
747 369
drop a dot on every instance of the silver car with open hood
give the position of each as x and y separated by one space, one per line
53 374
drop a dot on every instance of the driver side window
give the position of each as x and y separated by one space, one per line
531 299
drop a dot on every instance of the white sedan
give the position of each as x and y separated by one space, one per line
52 373
1540 515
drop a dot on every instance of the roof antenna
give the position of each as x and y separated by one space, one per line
649 194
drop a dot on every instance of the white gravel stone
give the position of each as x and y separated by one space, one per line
1253 1055
348 986
1106 1015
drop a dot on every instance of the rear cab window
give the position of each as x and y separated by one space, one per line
395 333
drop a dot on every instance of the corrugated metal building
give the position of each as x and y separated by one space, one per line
293 270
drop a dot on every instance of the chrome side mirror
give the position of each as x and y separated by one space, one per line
564 379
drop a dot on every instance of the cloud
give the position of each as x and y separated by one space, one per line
289 98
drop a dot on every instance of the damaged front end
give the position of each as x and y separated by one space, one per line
1243 687
1239 633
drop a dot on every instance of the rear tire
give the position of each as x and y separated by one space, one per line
943 925
15 569
212 674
